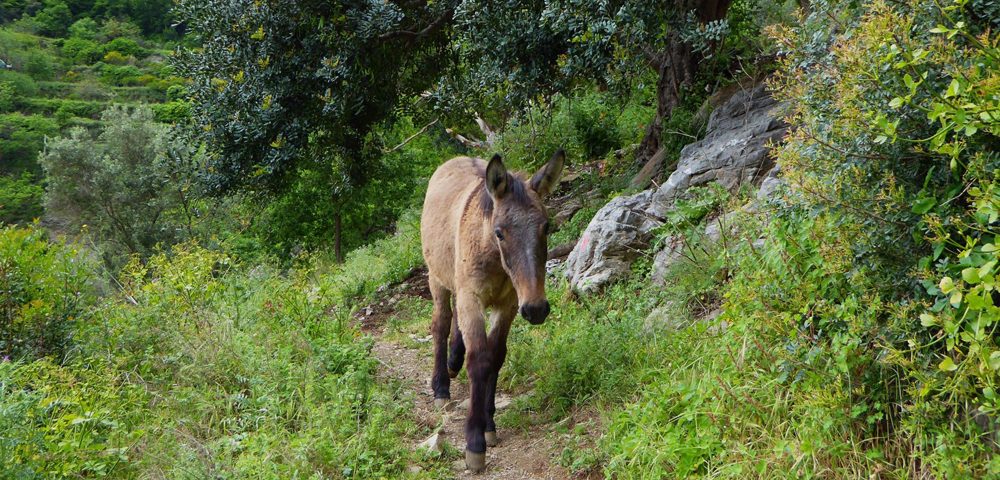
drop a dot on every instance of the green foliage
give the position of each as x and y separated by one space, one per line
82 50
54 19
285 388
129 186
84 29
896 146
366 268
172 112
22 84
125 46
45 292
20 199
7 96
292 85
21 138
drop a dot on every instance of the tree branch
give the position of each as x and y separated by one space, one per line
410 35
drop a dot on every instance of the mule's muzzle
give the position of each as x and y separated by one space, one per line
535 313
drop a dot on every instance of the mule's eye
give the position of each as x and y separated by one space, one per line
499 234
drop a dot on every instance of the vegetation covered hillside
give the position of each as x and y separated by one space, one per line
774 248
64 64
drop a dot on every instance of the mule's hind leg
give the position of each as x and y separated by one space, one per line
456 353
497 343
440 323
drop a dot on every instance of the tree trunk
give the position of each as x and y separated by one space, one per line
676 68
338 237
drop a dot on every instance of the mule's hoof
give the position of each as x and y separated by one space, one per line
492 439
476 462
452 373
440 403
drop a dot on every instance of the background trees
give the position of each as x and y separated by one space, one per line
287 90
132 185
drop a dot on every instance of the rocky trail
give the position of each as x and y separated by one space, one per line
523 453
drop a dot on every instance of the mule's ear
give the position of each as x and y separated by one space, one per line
546 179
497 178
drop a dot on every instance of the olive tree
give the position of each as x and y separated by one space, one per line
278 87
130 186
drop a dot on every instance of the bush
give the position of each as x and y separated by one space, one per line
84 29
23 85
21 138
46 293
121 76
126 47
115 58
7 96
82 51
20 199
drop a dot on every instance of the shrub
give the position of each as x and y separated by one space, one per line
82 51
126 47
7 96
116 58
46 293
23 85
120 75
172 112
84 29
20 199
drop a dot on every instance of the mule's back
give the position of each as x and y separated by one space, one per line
448 194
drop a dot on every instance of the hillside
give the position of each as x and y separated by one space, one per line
51 85
771 250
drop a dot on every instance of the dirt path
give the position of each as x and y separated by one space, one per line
520 454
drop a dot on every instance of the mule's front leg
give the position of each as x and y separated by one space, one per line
479 363
497 343
440 324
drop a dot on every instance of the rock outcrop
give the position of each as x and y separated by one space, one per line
733 152
613 239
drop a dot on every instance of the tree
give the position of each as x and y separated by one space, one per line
543 47
127 185
281 86
54 19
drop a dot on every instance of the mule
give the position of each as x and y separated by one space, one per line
483 232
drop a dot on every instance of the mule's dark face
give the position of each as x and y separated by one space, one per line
520 229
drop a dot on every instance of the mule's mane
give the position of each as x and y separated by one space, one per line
516 191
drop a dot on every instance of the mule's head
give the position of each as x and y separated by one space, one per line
520 227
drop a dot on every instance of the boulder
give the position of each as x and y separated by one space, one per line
671 253
734 150
614 238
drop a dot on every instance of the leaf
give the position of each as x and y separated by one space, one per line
995 360
896 102
947 365
946 285
956 298
928 320
954 89
970 275
984 271
989 247
923 205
